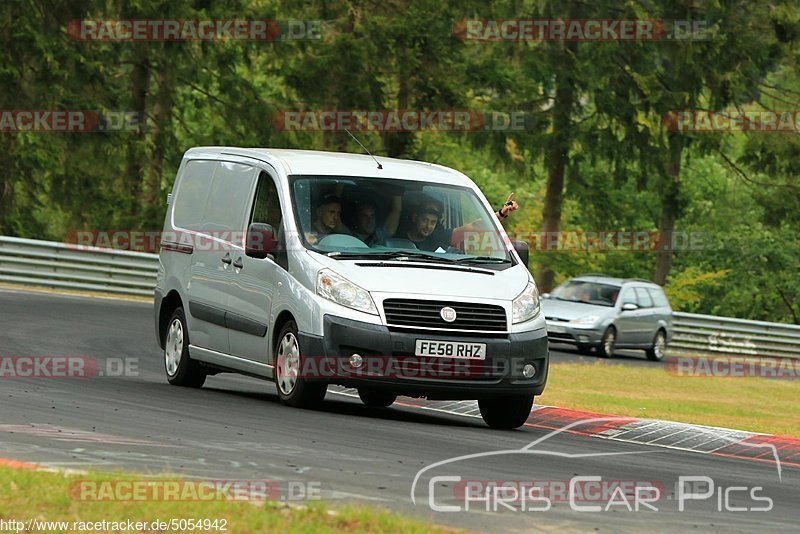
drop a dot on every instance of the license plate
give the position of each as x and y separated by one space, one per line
450 349
556 329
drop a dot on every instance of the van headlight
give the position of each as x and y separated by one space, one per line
342 291
526 306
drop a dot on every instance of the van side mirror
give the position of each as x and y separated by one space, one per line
260 241
523 250
629 306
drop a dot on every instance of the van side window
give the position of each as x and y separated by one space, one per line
643 298
267 205
195 183
267 209
229 193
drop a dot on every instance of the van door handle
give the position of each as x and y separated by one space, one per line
226 259
238 263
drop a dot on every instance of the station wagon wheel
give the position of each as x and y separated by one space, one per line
657 351
180 368
294 389
606 347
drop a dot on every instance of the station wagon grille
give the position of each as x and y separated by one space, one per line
426 314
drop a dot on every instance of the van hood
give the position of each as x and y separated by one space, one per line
432 279
569 311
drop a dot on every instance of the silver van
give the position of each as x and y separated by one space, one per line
314 268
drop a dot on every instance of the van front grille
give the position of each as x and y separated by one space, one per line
426 314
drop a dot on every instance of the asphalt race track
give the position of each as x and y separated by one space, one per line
234 428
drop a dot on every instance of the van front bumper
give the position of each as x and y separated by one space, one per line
389 362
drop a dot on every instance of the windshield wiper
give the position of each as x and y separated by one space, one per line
393 255
482 259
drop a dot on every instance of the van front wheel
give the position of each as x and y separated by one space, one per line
376 399
506 412
294 389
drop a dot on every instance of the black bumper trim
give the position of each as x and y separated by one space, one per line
498 375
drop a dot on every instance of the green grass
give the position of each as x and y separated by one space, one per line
754 404
27 494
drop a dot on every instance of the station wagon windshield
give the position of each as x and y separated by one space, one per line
349 217
587 292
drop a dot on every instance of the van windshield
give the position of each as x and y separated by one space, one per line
356 216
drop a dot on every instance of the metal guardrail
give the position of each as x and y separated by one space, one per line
708 335
59 265
51 264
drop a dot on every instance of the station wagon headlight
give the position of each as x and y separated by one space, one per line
588 320
342 291
526 306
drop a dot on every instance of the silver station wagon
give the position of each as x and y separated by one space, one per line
597 312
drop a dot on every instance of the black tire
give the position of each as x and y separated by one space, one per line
376 399
584 348
181 369
294 389
657 349
506 412
606 347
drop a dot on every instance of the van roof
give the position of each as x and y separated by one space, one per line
313 162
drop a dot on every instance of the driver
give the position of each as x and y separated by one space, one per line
327 219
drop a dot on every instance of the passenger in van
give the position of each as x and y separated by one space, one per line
427 233
365 224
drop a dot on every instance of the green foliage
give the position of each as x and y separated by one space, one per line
598 104
685 289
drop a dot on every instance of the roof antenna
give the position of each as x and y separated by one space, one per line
365 149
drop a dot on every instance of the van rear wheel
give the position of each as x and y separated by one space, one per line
180 368
506 412
376 399
293 388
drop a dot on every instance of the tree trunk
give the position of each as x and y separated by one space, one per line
396 144
669 209
6 195
162 135
134 174
557 160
